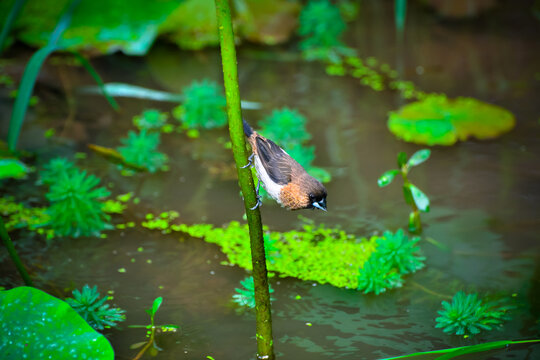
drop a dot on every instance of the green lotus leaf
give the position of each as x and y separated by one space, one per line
36 325
12 168
437 120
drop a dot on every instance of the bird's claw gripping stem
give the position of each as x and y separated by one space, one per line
259 202
250 162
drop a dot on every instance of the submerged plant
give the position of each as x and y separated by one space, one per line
321 27
245 296
152 119
467 314
55 169
394 256
417 200
76 208
141 149
152 329
377 276
203 106
94 310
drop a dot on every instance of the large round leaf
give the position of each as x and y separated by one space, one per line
438 120
36 325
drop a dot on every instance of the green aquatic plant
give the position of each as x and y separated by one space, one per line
377 276
19 216
152 330
94 310
141 149
394 256
401 253
245 295
315 253
414 197
437 120
203 106
76 209
152 119
56 168
37 325
13 168
321 27
467 314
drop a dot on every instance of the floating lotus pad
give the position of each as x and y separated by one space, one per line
438 120
36 325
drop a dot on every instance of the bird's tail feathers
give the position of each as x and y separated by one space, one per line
247 129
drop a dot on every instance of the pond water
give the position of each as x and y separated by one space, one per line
484 194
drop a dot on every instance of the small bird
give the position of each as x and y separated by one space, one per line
283 178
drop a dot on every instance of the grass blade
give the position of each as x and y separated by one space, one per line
13 13
446 354
31 72
25 92
86 64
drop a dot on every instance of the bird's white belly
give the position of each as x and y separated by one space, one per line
272 188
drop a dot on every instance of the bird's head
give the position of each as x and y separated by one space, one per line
317 198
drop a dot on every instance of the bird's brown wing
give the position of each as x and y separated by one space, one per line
278 164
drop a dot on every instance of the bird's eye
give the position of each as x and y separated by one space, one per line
311 197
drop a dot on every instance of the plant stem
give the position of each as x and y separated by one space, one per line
230 76
13 253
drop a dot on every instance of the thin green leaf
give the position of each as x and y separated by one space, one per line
420 199
31 72
25 93
453 352
13 13
137 345
387 177
156 305
401 159
86 64
419 157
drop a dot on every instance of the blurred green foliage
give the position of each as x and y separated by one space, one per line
76 209
152 119
106 26
140 149
20 216
94 310
468 314
203 106
245 295
437 120
13 168
37 325
55 169
321 27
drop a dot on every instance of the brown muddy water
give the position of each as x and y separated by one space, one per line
484 194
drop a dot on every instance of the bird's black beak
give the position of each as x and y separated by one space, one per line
321 205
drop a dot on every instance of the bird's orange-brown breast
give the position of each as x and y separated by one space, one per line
293 197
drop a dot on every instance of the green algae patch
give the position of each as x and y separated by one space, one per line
437 120
315 253
37 325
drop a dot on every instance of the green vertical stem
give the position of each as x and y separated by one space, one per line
13 254
230 76
400 14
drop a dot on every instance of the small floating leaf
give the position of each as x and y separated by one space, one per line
12 168
420 199
156 305
387 177
437 120
419 157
